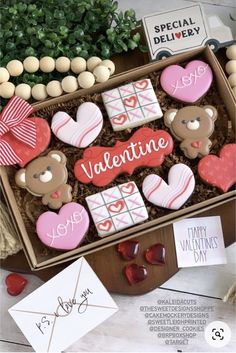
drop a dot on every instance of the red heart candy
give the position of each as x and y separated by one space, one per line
155 255
219 171
120 120
15 283
135 273
196 144
128 188
25 152
141 84
178 35
130 102
128 249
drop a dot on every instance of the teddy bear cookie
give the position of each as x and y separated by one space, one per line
193 126
46 177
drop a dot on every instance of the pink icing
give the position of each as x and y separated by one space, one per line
187 84
63 231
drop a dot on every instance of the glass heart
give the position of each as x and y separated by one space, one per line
128 249
135 273
155 255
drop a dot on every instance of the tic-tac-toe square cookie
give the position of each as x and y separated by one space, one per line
117 208
132 105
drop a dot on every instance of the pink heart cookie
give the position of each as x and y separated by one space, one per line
65 230
84 130
173 195
187 84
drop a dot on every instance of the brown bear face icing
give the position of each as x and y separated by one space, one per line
47 176
193 125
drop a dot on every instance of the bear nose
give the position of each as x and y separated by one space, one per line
45 176
193 124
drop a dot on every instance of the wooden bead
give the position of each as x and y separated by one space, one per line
7 90
54 88
110 65
234 91
39 92
78 65
63 64
23 91
4 75
86 79
69 84
31 64
93 62
231 52
101 73
47 64
15 67
230 67
232 79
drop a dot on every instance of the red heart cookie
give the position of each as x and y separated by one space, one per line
24 151
219 171
135 273
128 249
15 283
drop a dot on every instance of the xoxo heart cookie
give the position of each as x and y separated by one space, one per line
65 230
219 171
187 84
173 195
84 130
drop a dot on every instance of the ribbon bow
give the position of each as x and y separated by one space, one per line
14 120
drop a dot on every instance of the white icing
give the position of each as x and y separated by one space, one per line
46 177
22 177
193 125
171 116
56 156
209 111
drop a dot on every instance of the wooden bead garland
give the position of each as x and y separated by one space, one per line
230 67
98 70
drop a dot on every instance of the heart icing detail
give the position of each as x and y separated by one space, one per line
219 171
155 255
105 226
135 273
56 195
120 120
128 188
25 152
187 84
84 130
116 207
15 283
178 35
141 84
130 102
173 195
65 230
196 144
128 249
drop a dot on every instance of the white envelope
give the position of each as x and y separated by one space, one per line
64 309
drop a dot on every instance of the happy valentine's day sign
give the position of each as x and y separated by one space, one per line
175 31
101 165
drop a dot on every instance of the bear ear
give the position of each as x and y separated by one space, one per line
169 116
211 111
20 178
58 156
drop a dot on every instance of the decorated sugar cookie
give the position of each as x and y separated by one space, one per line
219 171
65 230
132 105
84 130
173 195
21 138
187 84
46 177
117 208
193 126
101 165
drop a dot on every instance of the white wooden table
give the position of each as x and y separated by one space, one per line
127 330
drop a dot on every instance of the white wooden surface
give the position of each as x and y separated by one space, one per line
127 330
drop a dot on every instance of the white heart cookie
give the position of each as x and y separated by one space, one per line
173 195
84 130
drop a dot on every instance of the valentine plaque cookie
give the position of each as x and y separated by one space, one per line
117 208
101 165
132 105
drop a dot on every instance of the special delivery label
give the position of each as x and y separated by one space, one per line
175 31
